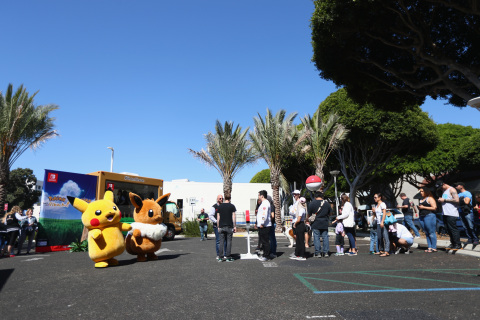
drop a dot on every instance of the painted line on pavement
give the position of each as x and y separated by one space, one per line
398 290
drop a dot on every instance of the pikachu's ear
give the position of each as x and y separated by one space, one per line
78 204
163 199
108 195
136 200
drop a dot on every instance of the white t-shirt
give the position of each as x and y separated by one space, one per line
379 211
263 214
449 209
403 232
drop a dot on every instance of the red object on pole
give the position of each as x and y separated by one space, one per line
247 216
5 207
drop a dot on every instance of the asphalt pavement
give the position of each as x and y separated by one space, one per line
188 283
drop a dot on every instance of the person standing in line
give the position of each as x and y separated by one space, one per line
29 227
12 221
322 209
428 218
300 215
271 235
348 217
226 220
212 216
372 224
339 238
466 212
264 224
449 201
407 211
382 232
203 225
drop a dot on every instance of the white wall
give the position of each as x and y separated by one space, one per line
206 193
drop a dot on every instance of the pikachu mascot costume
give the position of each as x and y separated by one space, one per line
102 219
148 230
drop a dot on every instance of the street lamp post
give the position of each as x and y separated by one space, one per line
111 161
335 173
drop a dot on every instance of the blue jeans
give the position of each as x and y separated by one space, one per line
408 222
350 232
203 230
467 221
217 241
317 233
429 226
273 240
373 240
382 235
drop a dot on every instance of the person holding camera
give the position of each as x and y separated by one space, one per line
465 209
449 201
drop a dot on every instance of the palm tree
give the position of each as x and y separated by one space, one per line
22 126
228 151
274 139
322 138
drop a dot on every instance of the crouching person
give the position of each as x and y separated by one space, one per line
403 239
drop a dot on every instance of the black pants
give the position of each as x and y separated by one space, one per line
452 230
300 243
264 240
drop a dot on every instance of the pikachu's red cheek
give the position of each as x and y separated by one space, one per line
94 222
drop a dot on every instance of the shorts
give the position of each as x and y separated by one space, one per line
339 240
409 241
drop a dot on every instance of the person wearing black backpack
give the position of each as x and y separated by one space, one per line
465 210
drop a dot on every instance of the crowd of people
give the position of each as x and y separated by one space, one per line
387 235
15 228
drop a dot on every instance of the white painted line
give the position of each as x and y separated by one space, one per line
326 316
32 259
270 264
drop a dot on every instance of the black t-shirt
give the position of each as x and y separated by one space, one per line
202 216
321 221
407 211
226 210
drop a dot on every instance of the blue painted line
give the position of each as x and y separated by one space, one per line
398 290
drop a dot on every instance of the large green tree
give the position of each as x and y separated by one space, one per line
228 150
261 177
22 125
21 189
395 53
456 151
274 138
376 137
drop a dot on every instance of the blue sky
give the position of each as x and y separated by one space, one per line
150 78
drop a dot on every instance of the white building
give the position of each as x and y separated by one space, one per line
198 195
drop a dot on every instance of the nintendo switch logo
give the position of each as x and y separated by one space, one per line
52 177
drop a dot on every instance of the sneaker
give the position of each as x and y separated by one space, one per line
317 255
475 243
457 247
325 255
301 258
372 252
219 259
272 256
398 251
12 256
352 253
230 259
339 254
407 252
449 247
293 257
263 259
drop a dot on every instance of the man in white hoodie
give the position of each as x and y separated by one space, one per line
264 224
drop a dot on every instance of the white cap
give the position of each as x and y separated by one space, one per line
296 192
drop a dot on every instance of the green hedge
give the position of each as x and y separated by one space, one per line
191 228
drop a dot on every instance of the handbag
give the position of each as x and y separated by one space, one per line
389 219
314 216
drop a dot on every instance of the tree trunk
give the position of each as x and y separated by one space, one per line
4 176
227 186
275 180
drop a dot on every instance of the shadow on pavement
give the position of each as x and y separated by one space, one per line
4 275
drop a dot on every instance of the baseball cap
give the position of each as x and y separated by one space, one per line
439 183
296 192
